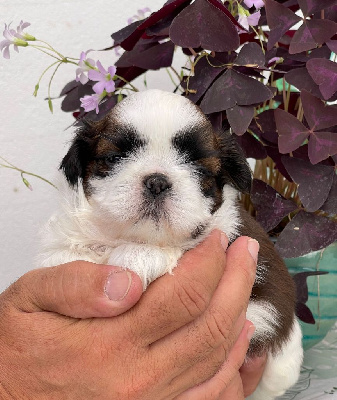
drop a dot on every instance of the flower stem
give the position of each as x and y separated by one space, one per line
23 172
124 80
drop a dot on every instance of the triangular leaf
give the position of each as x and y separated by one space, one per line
204 75
318 115
151 57
239 118
314 182
305 233
251 55
233 88
321 146
252 147
312 33
301 79
292 133
270 206
191 28
280 19
311 6
330 206
324 73
170 7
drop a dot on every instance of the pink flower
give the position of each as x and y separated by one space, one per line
85 65
256 3
103 78
250 20
91 102
20 34
12 37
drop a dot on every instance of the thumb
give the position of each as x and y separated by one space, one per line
77 289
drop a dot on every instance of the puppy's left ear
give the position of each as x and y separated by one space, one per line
235 169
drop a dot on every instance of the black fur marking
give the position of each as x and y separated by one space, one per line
126 139
84 157
192 144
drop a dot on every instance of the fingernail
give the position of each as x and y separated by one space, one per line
118 285
250 331
253 248
224 240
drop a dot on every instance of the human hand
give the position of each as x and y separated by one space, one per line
54 346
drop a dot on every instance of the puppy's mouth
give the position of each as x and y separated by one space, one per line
156 188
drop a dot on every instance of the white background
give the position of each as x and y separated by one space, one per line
30 136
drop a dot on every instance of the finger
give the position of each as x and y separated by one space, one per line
251 373
78 289
216 326
234 390
222 381
174 300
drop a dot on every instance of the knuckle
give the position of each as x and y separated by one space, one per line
219 323
193 297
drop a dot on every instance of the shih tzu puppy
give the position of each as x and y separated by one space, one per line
149 182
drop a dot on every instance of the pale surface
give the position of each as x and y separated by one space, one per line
31 137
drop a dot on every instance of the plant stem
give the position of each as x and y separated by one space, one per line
11 166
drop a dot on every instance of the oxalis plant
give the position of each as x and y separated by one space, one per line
264 69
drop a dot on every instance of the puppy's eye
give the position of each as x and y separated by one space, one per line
112 159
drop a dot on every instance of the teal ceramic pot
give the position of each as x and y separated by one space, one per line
322 291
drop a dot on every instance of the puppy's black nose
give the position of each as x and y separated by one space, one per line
156 184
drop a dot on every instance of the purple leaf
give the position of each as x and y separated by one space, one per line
239 118
305 233
104 108
191 28
270 206
280 19
204 75
314 182
251 146
276 156
324 73
301 79
129 42
233 88
265 122
119 36
292 133
218 4
302 295
311 6
330 206
251 55
332 44
318 115
216 121
162 27
321 146
152 57
304 313
312 33
72 102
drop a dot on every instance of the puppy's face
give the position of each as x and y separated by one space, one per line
154 170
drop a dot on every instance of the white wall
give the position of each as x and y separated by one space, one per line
30 136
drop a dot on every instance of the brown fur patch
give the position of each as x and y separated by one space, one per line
278 287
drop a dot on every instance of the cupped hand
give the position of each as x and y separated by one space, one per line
68 332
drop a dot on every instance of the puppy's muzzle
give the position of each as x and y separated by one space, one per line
156 185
